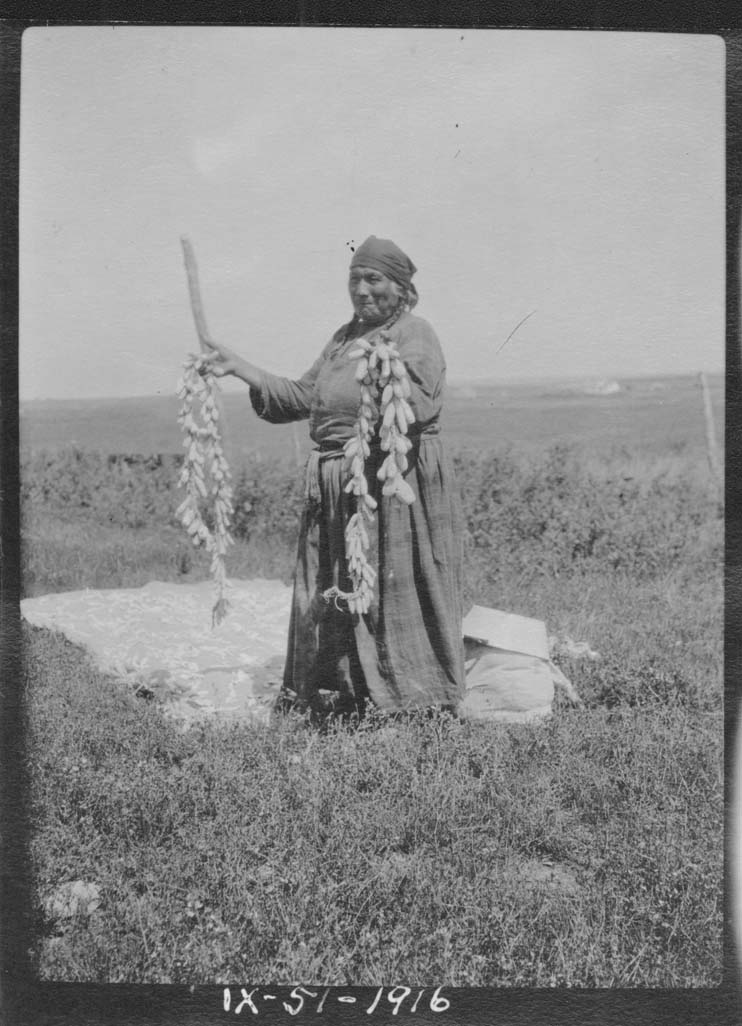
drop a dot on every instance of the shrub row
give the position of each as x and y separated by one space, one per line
560 511
526 516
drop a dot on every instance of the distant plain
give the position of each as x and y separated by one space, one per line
648 416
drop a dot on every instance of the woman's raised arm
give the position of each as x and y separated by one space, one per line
224 360
274 398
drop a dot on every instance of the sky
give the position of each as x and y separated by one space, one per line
574 176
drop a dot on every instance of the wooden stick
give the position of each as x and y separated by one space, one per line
710 433
204 337
195 293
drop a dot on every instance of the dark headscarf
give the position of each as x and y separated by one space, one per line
383 255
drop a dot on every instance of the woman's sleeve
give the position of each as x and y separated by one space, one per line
422 355
280 400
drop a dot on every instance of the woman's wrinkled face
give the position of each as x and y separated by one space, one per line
374 296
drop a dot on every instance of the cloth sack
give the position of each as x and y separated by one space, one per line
509 676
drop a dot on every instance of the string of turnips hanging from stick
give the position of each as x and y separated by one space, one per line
207 510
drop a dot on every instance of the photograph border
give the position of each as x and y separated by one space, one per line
25 999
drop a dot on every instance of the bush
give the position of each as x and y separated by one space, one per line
142 491
123 491
526 517
557 514
268 499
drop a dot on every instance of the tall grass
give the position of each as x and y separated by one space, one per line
582 851
424 849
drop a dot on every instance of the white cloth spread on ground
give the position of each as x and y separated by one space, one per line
159 638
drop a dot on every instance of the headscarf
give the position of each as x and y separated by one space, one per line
383 255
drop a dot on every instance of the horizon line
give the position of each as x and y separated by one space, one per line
455 382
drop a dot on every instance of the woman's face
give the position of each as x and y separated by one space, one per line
374 296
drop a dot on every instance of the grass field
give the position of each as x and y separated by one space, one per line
582 851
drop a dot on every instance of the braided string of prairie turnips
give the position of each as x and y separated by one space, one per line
205 473
383 379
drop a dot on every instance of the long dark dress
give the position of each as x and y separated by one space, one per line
407 651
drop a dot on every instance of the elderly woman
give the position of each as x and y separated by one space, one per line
406 650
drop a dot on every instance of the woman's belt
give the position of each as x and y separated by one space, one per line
312 492
333 451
